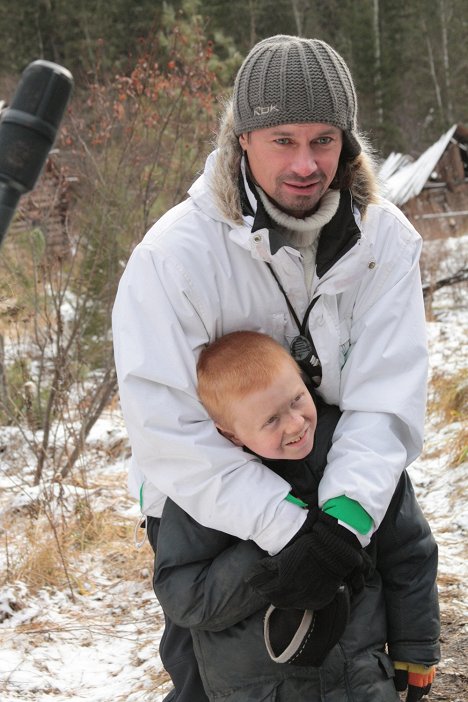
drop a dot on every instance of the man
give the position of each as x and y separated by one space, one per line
284 234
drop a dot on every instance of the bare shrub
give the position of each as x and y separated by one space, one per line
130 145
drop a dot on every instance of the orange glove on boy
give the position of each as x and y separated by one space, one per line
417 678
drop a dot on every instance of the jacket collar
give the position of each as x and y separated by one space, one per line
338 236
252 206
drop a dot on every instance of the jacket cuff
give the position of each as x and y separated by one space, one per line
349 512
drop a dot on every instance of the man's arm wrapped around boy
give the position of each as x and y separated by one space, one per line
407 562
322 557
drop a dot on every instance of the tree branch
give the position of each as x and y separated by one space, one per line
458 277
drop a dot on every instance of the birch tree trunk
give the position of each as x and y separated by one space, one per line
432 68
445 57
377 63
298 14
3 382
253 21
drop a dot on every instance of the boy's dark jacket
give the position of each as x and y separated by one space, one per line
199 581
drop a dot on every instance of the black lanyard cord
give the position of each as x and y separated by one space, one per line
302 346
301 327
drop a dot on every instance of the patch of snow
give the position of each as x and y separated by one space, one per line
103 645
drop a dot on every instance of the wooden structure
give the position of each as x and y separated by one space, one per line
432 190
46 208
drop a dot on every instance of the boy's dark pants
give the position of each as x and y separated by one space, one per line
176 649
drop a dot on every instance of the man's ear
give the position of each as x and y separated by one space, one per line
244 140
229 435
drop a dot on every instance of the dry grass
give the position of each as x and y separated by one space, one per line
39 563
449 396
52 553
449 404
459 446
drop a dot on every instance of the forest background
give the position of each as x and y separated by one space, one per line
150 81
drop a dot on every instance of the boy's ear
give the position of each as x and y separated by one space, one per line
229 435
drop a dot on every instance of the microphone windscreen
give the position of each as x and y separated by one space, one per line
29 126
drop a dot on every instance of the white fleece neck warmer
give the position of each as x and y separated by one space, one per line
303 234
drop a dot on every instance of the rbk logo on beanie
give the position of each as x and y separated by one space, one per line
268 109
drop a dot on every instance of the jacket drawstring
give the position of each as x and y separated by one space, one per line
140 524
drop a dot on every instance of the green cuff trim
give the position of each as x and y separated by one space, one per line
295 500
141 497
350 512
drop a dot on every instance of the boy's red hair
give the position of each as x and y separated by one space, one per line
235 365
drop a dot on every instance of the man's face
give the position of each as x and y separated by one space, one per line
294 164
278 422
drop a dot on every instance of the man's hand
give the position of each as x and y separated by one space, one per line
307 573
417 678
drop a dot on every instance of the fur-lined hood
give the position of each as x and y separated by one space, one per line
225 175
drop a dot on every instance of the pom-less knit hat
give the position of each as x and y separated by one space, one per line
291 80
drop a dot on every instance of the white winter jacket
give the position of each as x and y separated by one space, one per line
196 276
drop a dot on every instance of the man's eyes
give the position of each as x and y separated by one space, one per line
322 141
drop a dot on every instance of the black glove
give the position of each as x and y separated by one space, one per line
307 573
305 637
356 580
417 678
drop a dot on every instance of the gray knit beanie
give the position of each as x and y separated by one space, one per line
291 80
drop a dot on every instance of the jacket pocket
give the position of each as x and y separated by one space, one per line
369 678
261 692
385 664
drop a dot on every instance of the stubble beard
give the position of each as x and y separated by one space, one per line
298 206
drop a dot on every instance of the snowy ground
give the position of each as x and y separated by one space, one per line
96 638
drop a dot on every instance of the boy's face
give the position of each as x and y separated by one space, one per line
278 422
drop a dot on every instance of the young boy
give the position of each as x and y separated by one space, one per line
254 392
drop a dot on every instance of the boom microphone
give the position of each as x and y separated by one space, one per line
27 131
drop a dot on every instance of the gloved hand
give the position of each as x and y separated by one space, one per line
356 580
417 678
307 573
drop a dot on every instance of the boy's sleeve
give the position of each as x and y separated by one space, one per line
407 562
199 573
